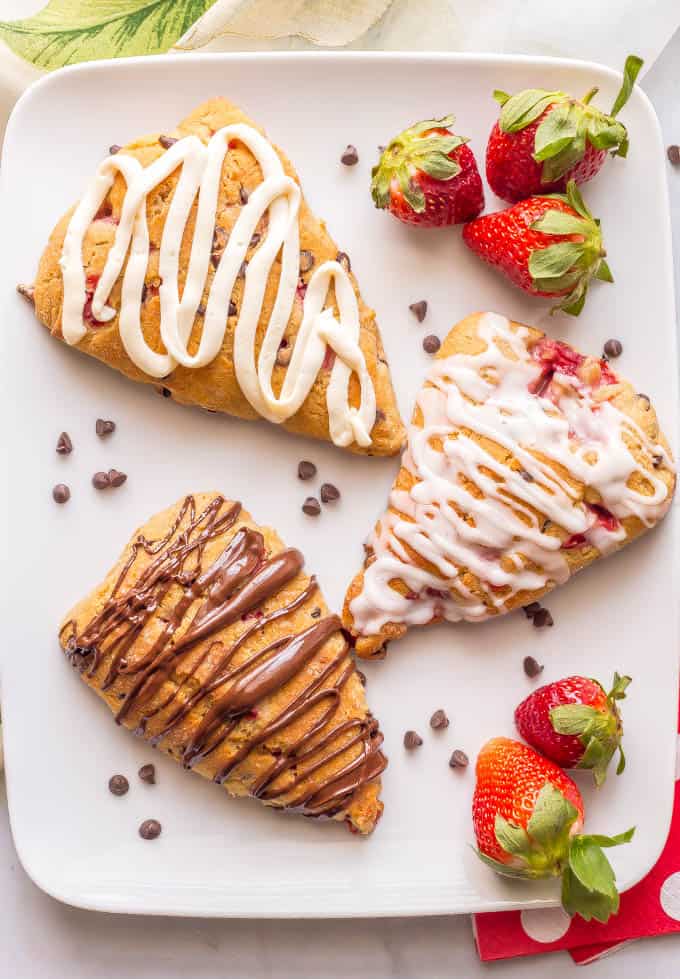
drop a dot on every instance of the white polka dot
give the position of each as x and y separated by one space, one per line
545 924
670 896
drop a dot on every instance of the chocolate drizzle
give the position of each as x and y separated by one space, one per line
327 762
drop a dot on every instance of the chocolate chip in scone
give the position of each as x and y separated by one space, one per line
101 480
243 195
350 157
542 619
362 678
379 416
104 426
233 308
64 444
657 460
439 721
306 469
200 309
613 348
419 309
116 478
532 667
306 260
431 344
412 740
167 141
61 493
164 392
242 269
343 259
150 829
526 476
329 493
118 785
459 759
147 773
531 609
114 148
311 507
674 154
315 613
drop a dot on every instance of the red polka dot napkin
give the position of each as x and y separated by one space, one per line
652 907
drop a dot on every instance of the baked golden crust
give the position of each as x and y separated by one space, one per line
464 339
215 386
202 701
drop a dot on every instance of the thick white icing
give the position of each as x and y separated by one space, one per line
279 195
504 544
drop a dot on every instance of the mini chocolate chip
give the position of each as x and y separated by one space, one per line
532 667
531 609
545 525
419 310
439 720
116 478
255 240
306 260
215 259
64 444
657 460
343 259
242 270
101 481
61 493
526 476
104 427
542 618
306 469
167 141
362 677
431 344
315 613
412 740
674 155
243 195
459 759
114 148
329 493
283 356
643 397
118 785
150 829
233 308
350 156
613 348
147 773
200 310
311 507
379 416
166 392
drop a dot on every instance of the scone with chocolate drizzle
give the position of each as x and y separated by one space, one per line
208 640
526 461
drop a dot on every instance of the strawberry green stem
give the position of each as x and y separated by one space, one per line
590 95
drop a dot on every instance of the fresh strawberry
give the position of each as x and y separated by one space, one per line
544 139
528 816
549 246
428 176
575 723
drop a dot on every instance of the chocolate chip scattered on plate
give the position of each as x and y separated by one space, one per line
306 469
542 619
150 829
431 344
61 493
439 721
329 493
412 740
459 759
531 609
118 785
64 444
114 148
350 157
147 773
613 348
532 667
419 309
104 426
116 478
311 507
101 480
674 154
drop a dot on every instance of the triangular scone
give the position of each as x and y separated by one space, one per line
325 375
526 461
208 640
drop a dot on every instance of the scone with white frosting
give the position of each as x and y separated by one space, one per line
193 261
526 461
208 640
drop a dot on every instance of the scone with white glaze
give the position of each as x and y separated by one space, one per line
526 461
193 261
209 640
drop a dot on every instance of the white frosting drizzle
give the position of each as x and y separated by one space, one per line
280 196
503 545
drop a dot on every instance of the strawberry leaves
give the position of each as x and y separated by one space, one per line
540 849
588 882
518 111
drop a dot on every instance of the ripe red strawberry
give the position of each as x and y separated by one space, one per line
528 816
428 176
548 246
544 139
575 723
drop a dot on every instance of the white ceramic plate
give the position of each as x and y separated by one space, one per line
223 857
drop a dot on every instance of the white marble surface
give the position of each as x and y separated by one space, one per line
39 937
